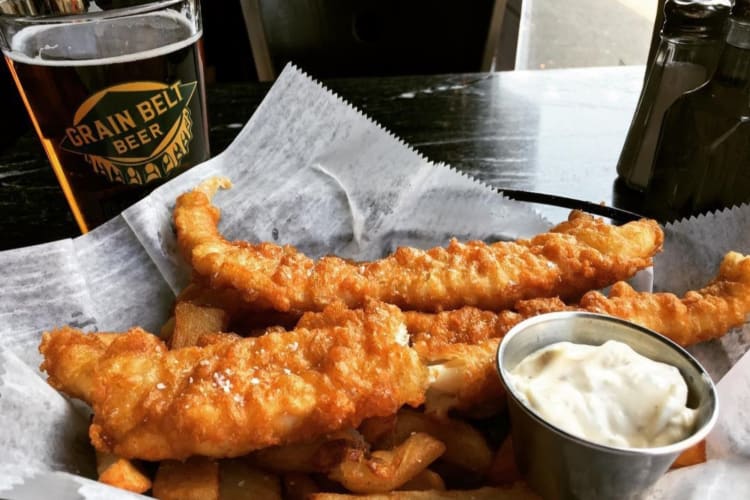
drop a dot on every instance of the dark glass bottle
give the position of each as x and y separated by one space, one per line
691 41
703 158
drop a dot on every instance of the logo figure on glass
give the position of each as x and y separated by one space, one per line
133 133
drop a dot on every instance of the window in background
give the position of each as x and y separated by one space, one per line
577 33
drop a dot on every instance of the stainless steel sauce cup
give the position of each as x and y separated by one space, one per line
558 464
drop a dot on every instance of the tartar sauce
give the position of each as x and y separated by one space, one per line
608 394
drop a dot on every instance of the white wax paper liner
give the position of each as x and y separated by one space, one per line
726 474
309 170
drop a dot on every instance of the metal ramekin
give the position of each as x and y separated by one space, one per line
560 465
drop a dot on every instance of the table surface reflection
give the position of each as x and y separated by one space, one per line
554 131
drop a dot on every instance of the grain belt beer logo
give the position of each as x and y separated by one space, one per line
135 132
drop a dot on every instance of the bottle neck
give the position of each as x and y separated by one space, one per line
704 52
734 64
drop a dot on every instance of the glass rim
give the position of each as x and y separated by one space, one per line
85 17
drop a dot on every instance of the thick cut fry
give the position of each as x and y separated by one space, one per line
320 455
696 454
517 492
579 255
191 321
504 469
387 470
196 292
426 480
121 473
238 480
298 486
464 445
378 428
235 396
246 318
195 479
167 329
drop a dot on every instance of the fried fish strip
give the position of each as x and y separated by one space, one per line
581 254
459 355
698 316
459 345
467 325
236 395
462 377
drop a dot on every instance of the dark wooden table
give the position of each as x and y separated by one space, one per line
555 131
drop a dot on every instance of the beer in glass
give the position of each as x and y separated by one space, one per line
116 96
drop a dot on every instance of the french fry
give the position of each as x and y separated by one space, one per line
425 481
245 317
464 445
504 469
195 479
386 470
238 480
121 473
192 321
696 454
201 295
516 492
298 486
317 456
167 330
378 429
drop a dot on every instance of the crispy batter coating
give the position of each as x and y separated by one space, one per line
467 325
460 345
698 316
75 361
581 254
462 377
236 395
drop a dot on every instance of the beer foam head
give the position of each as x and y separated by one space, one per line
104 41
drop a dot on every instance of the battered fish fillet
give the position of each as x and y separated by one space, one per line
235 395
698 316
459 346
578 255
463 377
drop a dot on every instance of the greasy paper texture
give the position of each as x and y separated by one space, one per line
308 169
725 474
693 251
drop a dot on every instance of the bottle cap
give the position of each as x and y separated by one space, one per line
699 18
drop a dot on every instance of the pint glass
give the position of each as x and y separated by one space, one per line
116 95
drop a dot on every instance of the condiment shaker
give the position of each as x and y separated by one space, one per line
703 157
691 39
